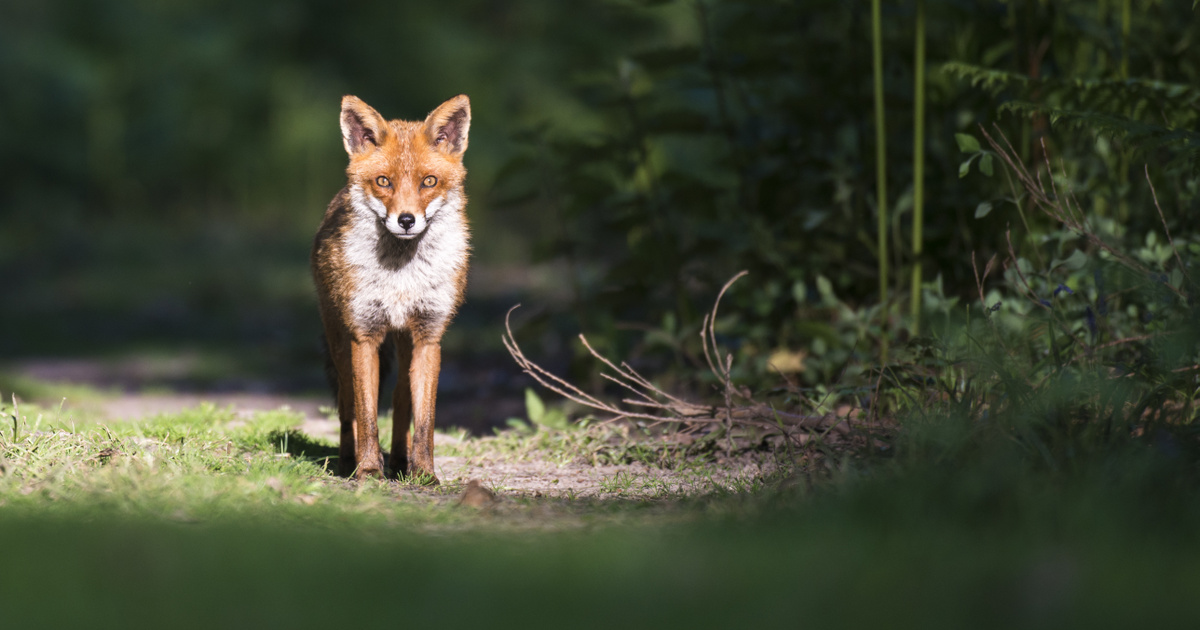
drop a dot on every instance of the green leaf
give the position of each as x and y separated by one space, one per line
965 168
825 288
540 415
554 419
519 425
534 407
1076 260
983 209
799 292
966 143
985 164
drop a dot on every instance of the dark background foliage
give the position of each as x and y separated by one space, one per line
163 167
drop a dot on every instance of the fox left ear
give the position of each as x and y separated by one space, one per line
447 126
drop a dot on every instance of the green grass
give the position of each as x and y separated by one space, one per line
209 464
204 519
199 464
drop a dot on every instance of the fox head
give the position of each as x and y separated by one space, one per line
406 172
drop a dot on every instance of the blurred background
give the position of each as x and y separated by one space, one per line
163 167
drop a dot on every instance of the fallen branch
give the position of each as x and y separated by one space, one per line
656 407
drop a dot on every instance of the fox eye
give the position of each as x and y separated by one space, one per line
429 182
383 181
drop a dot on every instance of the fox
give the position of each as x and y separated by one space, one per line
389 262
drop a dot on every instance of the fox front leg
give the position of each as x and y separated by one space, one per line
364 360
426 363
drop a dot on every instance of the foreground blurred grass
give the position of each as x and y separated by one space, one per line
202 520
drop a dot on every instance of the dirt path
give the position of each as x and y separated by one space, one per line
473 395
575 480
503 473
498 472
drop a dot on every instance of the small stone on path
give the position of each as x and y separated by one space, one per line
476 495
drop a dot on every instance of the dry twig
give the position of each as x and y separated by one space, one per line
1166 228
1057 205
656 407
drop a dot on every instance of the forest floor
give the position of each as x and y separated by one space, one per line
582 463
220 509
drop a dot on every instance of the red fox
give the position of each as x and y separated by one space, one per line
390 260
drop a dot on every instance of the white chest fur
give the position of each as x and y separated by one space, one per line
398 280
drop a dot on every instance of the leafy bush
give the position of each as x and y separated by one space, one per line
746 145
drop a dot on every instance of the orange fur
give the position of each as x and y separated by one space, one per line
390 259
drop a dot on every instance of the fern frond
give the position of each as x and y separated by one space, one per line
1139 135
1145 113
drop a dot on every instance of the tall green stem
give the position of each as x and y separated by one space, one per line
918 166
880 174
1123 163
1126 17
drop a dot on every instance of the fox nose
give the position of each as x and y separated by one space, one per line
406 221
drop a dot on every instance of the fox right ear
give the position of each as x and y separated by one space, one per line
448 125
363 128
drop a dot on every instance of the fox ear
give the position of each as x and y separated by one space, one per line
363 128
447 126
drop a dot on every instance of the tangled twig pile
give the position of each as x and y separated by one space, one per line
656 407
